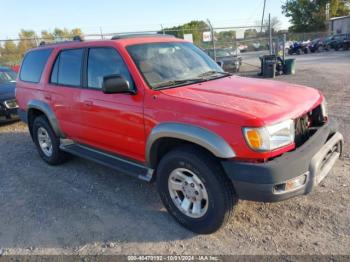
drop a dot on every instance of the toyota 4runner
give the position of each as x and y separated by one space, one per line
158 108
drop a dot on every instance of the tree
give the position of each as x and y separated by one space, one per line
76 32
250 33
9 54
12 54
47 36
275 24
226 36
196 28
28 39
311 15
339 8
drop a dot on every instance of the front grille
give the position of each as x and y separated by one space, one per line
306 125
302 131
11 104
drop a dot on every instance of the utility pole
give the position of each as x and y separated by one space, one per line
101 33
270 34
263 16
212 38
162 29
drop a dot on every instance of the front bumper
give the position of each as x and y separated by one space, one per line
8 114
8 109
314 159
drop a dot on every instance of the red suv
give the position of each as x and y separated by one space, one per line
158 108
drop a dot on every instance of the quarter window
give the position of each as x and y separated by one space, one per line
34 64
104 62
67 68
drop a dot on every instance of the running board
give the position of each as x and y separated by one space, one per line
122 165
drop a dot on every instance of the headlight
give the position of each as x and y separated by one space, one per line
272 137
324 109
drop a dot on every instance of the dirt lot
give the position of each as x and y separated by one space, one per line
83 208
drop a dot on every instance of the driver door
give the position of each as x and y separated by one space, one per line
112 122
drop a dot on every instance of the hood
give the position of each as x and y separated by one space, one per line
7 90
267 100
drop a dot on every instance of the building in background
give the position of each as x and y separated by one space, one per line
340 25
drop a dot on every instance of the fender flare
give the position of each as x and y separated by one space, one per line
194 134
48 112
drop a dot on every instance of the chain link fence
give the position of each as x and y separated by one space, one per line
243 45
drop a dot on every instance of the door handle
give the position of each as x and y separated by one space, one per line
88 103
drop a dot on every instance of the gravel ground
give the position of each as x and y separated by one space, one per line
84 208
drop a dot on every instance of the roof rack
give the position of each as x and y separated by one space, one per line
76 38
126 36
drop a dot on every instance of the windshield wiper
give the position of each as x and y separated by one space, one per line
201 78
212 72
177 82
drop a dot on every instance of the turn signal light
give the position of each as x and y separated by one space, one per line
254 139
292 184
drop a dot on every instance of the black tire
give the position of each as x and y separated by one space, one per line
299 52
221 195
57 157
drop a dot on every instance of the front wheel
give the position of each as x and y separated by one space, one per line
195 190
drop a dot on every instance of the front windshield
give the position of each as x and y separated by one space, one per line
7 76
222 53
172 63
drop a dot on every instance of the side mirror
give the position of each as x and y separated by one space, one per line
114 84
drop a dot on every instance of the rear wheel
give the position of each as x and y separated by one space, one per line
47 142
195 190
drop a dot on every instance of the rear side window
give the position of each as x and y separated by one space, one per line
33 65
67 68
104 62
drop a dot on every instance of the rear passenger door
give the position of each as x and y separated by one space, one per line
64 87
112 122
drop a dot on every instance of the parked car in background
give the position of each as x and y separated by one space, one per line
8 104
316 45
226 59
342 43
243 48
159 109
333 41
